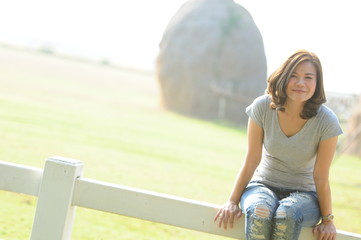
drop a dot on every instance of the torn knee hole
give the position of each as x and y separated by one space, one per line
281 214
262 211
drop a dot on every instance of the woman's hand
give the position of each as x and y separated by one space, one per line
325 231
228 214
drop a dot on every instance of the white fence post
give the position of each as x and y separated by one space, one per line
54 212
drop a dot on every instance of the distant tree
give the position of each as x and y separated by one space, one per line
105 62
353 134
46 50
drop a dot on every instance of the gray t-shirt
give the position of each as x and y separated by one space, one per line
288 162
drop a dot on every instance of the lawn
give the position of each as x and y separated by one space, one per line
109 119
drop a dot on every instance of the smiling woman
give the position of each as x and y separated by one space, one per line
283 184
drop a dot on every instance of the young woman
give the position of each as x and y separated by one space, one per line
283 184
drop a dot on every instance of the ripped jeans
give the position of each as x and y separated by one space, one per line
276 213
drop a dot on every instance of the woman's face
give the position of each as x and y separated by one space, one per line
302 84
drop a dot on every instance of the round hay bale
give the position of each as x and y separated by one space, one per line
211 62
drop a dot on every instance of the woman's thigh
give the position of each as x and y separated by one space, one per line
259 200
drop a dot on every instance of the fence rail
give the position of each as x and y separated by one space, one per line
60 188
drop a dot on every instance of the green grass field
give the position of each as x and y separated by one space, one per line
110 119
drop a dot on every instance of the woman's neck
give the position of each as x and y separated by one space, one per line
293 109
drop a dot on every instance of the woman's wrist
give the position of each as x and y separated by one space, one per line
327 219
233 202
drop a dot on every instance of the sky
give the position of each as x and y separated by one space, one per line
128 32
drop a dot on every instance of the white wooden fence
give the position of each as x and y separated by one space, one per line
60 188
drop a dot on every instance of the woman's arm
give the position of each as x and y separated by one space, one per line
325 153
253 157
252 160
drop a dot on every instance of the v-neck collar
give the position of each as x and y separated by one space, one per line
304 127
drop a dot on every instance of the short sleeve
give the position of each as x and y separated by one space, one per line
257 110
331 126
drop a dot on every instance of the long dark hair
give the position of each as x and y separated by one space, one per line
278 80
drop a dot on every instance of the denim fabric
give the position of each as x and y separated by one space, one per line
276 213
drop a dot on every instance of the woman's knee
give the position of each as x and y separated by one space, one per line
293 207
259 201
261 211
290 217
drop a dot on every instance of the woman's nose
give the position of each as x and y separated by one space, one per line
300 81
